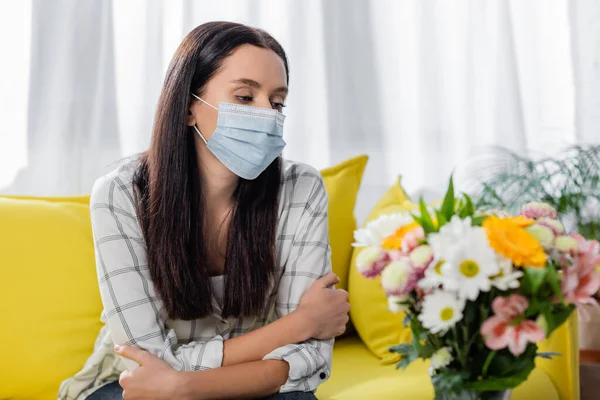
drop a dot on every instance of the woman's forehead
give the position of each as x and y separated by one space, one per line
252 63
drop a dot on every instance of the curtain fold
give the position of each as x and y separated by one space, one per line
419 86
72 132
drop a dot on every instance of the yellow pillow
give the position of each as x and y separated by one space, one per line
342 183
49 300
377 327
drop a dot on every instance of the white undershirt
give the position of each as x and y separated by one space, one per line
218 288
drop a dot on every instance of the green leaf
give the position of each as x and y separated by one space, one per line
515 371
447 208
470 207
406 320
403 363
428 225
477 220
553 280
525 285
546 314
416 342
500 383
403 348
466 208
536 277
534 307
419 335
441 219
559 316
502 364
417 219
506 364
410 354
548 355
428 350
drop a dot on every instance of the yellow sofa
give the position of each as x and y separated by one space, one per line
50 308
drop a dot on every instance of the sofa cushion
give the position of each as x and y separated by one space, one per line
378 327
49 299
342 183
358 375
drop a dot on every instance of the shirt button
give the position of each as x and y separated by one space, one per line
323 375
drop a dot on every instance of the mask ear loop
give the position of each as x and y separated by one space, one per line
208 104
195 126
198 130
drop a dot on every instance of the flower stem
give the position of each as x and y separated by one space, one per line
487 363
456 345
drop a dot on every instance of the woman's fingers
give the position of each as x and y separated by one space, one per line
328 280
133 353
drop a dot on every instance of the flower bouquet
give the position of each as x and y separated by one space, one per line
479 288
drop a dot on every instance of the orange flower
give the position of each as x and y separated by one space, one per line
508 238
394 241
522 221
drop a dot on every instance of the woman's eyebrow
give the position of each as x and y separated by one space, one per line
282 89
254 84
247 81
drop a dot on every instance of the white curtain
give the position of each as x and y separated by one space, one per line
420 86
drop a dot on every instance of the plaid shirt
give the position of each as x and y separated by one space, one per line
133 313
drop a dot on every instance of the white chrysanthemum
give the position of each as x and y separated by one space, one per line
441 311
441 243
398 304
433 275
469 263
453 232
375 231
508 278
441 358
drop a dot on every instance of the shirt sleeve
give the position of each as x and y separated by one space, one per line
309 259
132 310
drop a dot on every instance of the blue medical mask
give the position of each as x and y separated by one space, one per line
247 139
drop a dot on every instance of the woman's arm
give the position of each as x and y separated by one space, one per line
156 380
253 346
308 259
316 317
256 379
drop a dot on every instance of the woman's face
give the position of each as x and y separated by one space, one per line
252 76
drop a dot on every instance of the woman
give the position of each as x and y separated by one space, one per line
212 252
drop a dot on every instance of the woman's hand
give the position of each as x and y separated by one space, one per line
154 379
324 308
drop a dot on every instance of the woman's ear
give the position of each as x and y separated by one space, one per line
191 120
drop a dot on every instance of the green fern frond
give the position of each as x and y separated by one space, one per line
570 182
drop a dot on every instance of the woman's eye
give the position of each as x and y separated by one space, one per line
245 99
278 106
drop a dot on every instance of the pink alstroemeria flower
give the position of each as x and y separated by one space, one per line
581 280
499 330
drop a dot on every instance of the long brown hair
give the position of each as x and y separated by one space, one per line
169 196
